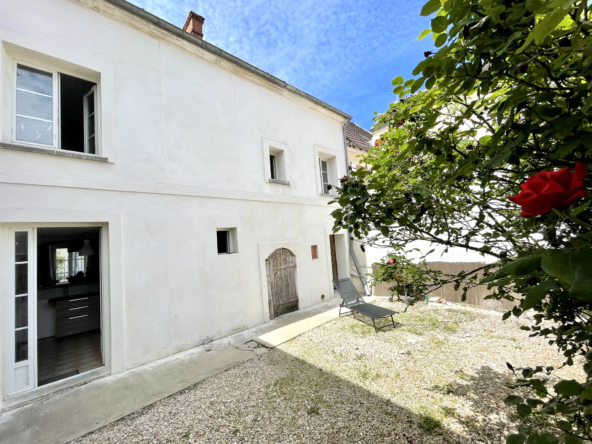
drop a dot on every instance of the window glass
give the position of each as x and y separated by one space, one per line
21 246
34 106
34 80
21 315
21 284
324 176
21 345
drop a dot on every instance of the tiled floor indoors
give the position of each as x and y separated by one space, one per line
60 358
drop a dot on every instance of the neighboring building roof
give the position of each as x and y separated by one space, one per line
357 136
376 129
162 24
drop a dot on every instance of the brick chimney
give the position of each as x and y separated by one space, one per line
194 24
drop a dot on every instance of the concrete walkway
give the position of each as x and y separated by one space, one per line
74 412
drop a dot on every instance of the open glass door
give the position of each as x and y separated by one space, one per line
22 310
51 304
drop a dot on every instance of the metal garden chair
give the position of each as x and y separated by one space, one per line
352 300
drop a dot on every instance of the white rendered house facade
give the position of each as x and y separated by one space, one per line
147 180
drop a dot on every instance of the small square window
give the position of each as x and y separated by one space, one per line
314 251
226 240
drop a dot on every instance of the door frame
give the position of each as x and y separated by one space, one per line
111 285
342 255
265 249
270 297
8 292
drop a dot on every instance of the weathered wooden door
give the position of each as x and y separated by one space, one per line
281 274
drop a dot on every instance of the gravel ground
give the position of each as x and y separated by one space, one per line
437 378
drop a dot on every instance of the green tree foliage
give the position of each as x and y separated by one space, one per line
507 95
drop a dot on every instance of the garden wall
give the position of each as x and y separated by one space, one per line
475 296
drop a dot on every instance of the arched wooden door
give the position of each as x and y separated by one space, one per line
281 279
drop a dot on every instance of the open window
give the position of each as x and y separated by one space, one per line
276 166
226 240
328 174
54 110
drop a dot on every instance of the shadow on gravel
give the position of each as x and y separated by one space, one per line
278 398
383 324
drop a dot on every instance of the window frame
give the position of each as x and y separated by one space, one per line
281 153
336 168
55 100
92 91
55 73
324 190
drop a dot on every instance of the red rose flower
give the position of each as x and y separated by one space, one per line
391 262
547 190
376 143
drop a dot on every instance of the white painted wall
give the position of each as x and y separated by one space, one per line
184 133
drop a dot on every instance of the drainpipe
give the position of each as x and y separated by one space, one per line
351 243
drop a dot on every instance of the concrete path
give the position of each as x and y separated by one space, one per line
283 334
74 412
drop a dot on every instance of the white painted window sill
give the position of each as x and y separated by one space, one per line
279 182
53 152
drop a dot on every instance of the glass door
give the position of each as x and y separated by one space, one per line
22 310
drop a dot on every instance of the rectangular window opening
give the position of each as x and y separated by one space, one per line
55 110
277 166
328 173
226 240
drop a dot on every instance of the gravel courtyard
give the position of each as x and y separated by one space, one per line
437 378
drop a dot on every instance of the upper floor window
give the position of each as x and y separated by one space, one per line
276 157
54 110
328 173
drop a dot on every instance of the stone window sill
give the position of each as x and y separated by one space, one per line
279 182
53 152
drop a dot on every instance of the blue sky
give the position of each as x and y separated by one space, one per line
344 52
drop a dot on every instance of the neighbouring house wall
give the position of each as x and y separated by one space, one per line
354 156
183 133
475 296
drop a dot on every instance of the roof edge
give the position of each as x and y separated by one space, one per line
358 145
163 24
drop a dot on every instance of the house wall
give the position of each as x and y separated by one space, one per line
354 155
182 133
